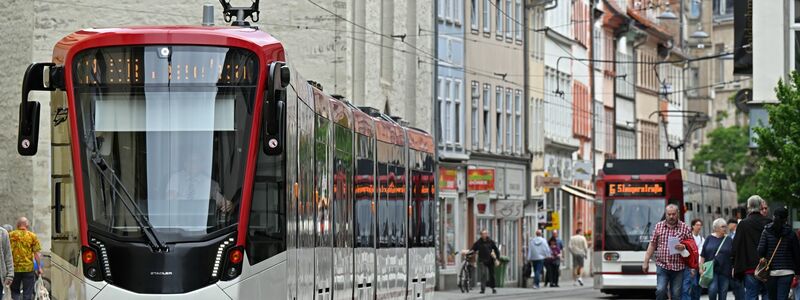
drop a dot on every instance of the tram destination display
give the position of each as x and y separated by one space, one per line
635 189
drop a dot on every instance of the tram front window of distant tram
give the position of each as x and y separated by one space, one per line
164 132
630 223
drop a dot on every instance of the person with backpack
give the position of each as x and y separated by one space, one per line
716 263
779 251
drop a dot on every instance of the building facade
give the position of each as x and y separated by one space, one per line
498 162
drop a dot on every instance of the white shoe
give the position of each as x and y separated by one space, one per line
580 281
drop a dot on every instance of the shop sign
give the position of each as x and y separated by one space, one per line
547 182
448 179
482 204
554 223
480 179
582 170
508 209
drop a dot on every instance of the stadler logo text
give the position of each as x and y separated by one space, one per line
161 273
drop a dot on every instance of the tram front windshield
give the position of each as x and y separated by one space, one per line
171 123
629 223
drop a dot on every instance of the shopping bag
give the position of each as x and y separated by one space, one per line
40 290
6 293
708 276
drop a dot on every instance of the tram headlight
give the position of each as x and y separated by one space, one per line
611 256
91 272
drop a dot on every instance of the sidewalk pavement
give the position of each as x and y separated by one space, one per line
566 284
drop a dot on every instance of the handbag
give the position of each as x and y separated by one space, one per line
708 275
762 270
40 290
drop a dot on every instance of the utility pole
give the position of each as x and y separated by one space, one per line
592 89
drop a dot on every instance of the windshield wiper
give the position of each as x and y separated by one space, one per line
129 203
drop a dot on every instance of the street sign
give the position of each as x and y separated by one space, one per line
547 182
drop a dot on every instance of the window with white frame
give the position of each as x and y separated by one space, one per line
794 36
458 127
440 11
486 121
486 16
448 9
498 6
458 11
448 112
518 13
498 119
518 121
473 14
723 8
440 102
475 97
508 19
509 145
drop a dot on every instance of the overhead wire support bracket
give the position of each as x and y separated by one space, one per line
240 12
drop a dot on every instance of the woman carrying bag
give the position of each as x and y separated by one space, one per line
716 264
779 250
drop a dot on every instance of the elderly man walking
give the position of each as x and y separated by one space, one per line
6 261
745 247
25 248
666 244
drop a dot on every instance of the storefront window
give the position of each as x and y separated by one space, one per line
450 231
510 248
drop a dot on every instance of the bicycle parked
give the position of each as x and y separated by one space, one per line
465 272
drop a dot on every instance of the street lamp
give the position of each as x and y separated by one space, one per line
667 14
699 34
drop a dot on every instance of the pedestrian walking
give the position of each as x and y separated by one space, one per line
780 248
691 277
538 250
557 267
579 248
745 244
795 283
6 261
666 246
736 286
25 249
553 262
487 254
718 249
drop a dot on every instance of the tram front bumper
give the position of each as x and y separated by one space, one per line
625 282
211 292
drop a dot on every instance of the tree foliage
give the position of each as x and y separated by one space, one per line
779 145
728 153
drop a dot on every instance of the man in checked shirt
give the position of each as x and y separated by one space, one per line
669 267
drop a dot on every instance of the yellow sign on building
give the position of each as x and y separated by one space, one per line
556 223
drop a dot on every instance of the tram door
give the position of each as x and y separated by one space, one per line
292 194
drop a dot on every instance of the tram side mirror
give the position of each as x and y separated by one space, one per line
38 77
274 109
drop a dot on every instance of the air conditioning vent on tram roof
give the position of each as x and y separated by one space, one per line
373 112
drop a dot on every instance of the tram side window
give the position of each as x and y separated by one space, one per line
322 178
267 227
364 193
400 211
342 186
384 228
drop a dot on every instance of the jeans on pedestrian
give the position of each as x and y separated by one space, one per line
737 288
487 276
754 287
672 279
691 287
551 277
778 287
537 272
23 281
718 289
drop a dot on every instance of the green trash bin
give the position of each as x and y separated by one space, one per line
500 271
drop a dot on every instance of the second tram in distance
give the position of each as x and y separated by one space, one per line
633 195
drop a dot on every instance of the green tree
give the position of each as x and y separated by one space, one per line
779 145
728 153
